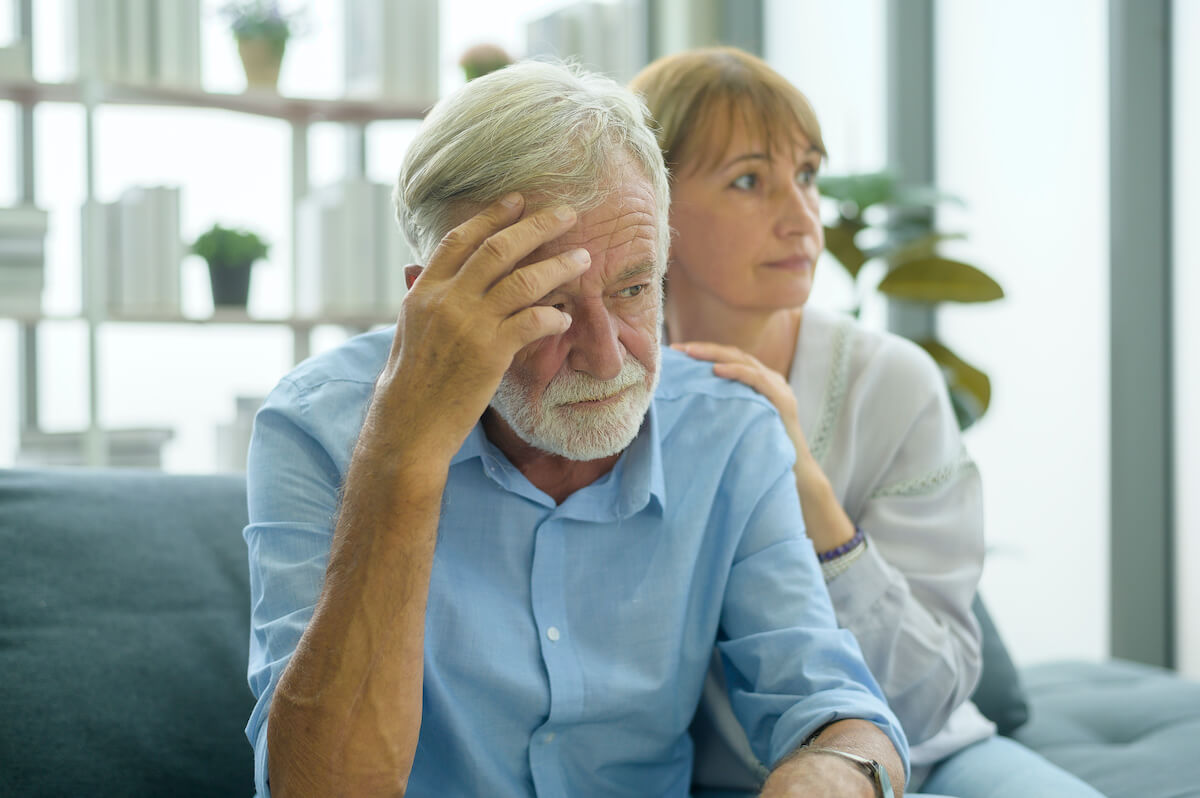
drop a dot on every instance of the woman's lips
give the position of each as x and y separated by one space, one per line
799 263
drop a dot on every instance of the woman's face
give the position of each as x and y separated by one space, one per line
747 230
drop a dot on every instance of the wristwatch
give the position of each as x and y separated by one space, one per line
876 772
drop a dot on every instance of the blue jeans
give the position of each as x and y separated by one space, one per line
1001 768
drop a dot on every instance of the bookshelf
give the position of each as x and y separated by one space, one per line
91 94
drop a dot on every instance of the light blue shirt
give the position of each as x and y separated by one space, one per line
566 645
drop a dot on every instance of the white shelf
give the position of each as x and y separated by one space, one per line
299 112
255 103
223 316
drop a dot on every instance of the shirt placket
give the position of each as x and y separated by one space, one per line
548 590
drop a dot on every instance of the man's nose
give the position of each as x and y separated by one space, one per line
595 346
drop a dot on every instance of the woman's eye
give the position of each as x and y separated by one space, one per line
631 291
746 182
806 176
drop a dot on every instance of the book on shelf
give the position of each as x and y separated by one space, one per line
14 61
141 252
392 50
177 51
23 221
136 41
603 36
395 254
125 448
341 249
22 258
233 439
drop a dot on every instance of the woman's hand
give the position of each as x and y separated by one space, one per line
734 364
827 523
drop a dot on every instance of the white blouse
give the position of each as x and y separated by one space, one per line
878 420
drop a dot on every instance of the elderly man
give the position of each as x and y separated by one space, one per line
490 554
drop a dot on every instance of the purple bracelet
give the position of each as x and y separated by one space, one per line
845 548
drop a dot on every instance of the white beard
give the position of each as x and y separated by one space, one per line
554 424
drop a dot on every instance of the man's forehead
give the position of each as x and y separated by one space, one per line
623 228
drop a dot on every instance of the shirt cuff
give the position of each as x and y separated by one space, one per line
260 763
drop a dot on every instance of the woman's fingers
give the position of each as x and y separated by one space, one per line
758 377
715 353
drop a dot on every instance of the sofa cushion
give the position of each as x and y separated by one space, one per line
124 607
999 695
1131 730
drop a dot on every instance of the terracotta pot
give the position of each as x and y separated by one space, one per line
261 58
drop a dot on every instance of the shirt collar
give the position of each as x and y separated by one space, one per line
631 485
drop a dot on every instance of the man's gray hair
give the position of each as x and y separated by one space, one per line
554 131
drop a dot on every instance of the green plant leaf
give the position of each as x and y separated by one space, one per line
970 389
935 279
839 242
864 190
901 248
223 246
922 197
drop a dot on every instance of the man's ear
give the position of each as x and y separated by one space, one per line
411 273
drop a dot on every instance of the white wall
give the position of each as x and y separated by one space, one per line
834 53
1022 119
1186 79
1022 113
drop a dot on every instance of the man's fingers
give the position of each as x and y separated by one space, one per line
531 324
500 253
460 243
524 286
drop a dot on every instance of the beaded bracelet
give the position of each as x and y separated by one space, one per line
853 542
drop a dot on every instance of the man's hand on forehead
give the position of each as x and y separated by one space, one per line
471 311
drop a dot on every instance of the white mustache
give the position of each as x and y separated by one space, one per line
579 387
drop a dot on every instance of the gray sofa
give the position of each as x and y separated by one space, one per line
123 634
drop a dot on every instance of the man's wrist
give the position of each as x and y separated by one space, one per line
875 774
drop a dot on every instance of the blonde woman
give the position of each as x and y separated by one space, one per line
890 498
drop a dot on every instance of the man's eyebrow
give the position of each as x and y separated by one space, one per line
640 270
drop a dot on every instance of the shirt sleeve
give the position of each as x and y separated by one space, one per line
292 489
789 669
907 599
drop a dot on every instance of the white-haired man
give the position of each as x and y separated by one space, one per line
490 555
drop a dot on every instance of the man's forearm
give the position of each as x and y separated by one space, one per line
346 715
816 775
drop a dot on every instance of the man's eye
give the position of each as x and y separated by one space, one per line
746 182
631 291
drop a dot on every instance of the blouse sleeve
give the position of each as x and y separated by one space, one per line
917 496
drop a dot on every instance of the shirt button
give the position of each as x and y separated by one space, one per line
553 634
549 737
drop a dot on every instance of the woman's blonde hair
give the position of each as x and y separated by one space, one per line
697 97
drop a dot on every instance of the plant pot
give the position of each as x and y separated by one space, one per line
230 284
261 58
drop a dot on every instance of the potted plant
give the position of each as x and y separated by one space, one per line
262 30
880 219
230 254
480 59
